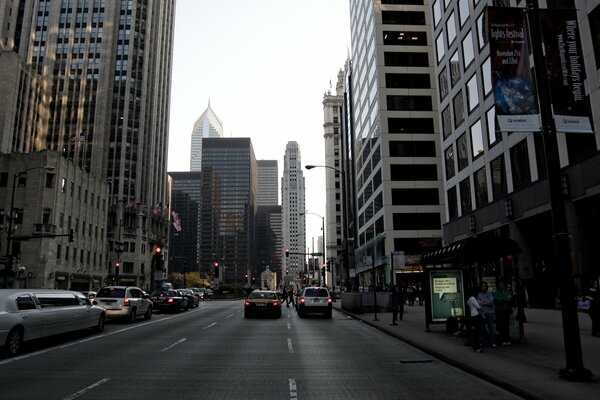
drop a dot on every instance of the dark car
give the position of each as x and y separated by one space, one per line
262 302
169 300
193 300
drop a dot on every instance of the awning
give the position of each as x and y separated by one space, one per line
472 249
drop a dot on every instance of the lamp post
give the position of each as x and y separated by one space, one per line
344 270
8 257
321 279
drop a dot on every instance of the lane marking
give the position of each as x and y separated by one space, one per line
290 347
87 389
229 316
289 326
293 389
210 326
174 344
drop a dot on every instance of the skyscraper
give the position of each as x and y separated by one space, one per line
268 183
268 220
394 127
292 211
208 125
105 67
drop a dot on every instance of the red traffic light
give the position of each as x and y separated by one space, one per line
158 250
216 264
287 252
117 264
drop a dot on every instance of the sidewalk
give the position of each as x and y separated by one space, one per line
529 369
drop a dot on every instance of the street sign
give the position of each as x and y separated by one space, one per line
398 260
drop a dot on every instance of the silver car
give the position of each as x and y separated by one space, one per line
27 314
126 302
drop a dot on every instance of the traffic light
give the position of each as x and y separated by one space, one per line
158 250
287 252
117 265
216 268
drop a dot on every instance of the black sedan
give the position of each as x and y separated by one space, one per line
193 300
169 300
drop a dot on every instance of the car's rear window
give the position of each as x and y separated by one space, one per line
263 295
316 293
111 292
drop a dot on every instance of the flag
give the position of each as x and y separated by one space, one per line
78 137
165 210
156 209
129 204
176 221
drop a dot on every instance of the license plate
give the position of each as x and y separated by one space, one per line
260 304
316 300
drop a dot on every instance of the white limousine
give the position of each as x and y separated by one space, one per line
27 314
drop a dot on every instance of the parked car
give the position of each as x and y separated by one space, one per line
314 299
193 300
262 302
27 314
196 292
169 300
125 302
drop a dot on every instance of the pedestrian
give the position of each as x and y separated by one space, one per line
475 320
395 297
503 308
290 297
284 296
410 292
486 300
593 296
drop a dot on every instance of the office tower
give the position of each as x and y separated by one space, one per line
394 128
268 220
184 238
208 125
228 209
495 181
292 214
268 183
106 67
334 185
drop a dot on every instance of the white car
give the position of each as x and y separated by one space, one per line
128 302
27 314
314 299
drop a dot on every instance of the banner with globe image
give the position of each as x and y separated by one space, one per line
512 84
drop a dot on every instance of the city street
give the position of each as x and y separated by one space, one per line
212 352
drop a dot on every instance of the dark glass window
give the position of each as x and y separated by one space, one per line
403 17
463 152
410 125
449 160
416 197
519 162
409 103
411 172
540 156
594 19
498 173
412 246
452 204
454 69
447 122
406 59
3 179
481 192
580 147
412 149
458 108
407 81
396 38
465 196
443 84
420 221
407 2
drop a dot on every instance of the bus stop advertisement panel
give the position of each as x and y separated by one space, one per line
447 294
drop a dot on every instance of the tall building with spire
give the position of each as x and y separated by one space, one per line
208 125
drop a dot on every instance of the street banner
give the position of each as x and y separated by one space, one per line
447 294
566 70
514 92
398 260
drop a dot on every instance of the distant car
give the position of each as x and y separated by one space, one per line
314 299
196 292
209 293
125 302
27 314
91 295
262 302
169 300
193 300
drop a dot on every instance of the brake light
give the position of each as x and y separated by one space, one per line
247 303
170 300
275 303
126 302
301 299
329 300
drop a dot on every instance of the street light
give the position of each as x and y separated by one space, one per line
8 257
322 238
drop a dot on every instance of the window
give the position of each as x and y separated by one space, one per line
403 17
439 46
486 77
481 192
463 153
410 125
3 179
463 11
476 139
395 38
451 29
452 204
490 118
447 122
481 32
407 81
419 197
458 107
406 59
449 159
413 148
465 196
454 69
472 93
409 103
420 221
519 162
49 180
413 172
443 84
25 302
467 48
498 173
437 12
594 19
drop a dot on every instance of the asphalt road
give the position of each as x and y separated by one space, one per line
212 352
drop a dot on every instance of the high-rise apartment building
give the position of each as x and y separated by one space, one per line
208 125
392 120
496 182
105 68
228 209
293 217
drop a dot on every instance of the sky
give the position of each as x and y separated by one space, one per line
264 65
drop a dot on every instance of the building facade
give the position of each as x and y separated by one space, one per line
208 125
268 220
105 69
496 182
392 119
